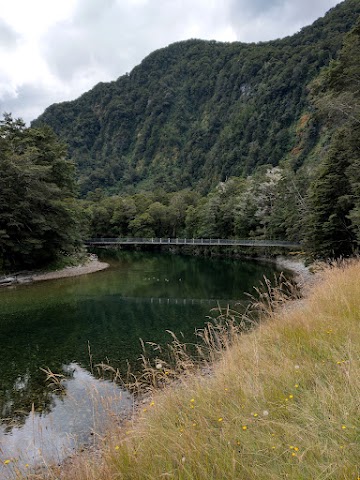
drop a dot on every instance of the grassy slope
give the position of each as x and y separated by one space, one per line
283 402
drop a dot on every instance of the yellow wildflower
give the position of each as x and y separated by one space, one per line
244 427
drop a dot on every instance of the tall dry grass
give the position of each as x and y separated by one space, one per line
280 402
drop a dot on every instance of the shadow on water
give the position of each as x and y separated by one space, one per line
140 296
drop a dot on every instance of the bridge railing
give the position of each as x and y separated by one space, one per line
191 241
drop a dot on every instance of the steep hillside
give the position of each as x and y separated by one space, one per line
198 112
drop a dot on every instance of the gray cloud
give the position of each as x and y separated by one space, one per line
252 9
112 36
8 36
261 20
28 101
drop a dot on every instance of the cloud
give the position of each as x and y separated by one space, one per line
8 37
111 36
261 20
252 9
29 99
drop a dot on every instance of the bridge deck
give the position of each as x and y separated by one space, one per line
190 241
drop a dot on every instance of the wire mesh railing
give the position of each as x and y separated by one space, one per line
191 241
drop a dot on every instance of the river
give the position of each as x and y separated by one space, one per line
69 325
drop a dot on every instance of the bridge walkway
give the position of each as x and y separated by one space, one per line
191 241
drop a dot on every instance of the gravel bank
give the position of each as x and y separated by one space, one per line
92 266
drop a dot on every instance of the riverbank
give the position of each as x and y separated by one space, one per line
91 265
281 402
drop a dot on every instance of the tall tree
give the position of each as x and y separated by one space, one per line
38 219
334 195
329 231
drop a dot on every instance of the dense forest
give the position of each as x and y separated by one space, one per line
208 139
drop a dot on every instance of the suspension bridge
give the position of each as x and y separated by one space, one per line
201 242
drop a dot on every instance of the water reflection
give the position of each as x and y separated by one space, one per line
53 335
141 296
83 410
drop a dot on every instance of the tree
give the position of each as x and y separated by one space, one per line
332 224
329 231
38 214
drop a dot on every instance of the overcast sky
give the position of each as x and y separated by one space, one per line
54 50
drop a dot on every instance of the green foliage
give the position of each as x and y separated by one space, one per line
38 218
330 230
333 221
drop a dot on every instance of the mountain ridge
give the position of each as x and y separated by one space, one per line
197 112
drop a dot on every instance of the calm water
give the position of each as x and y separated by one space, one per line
52 324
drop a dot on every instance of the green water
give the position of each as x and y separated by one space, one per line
141 295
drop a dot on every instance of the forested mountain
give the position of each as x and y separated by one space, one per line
209 139
198 112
